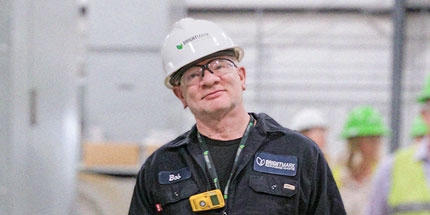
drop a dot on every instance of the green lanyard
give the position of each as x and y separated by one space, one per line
209 162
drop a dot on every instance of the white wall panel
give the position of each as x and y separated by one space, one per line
127 98
127 23
4 132
42 148
288 4
4 107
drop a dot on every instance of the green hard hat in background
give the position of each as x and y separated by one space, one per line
425 92
364 121
419 127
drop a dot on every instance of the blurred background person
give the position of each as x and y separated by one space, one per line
363 132
402 182
424 101
311 123
419 129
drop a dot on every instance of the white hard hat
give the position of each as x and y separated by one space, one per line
307 119
190 40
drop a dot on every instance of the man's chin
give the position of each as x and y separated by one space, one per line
212 110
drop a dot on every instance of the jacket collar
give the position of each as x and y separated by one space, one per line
265 125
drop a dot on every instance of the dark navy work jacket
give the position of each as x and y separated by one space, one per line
177 171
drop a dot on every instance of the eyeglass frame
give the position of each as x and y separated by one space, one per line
204 67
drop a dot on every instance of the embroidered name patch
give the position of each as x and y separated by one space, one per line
170 177
275 164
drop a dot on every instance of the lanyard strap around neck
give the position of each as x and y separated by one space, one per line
210 164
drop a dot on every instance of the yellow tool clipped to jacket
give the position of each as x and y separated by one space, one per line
207 201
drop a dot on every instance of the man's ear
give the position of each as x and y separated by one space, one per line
178 93
242 76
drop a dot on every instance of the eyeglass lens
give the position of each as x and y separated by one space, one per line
218 67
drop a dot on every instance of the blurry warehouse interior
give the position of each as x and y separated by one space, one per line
83 101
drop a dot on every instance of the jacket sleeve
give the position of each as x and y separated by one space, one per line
325 197
140 202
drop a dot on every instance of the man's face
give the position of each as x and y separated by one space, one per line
213 93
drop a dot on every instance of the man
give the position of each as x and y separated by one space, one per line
402 182
231 161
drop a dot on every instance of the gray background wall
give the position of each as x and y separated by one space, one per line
332 61
125 96
39 123
4 106
329 60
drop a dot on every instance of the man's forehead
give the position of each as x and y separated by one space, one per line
203 61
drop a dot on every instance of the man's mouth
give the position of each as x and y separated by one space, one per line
212 94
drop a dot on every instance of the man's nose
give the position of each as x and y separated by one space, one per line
208 78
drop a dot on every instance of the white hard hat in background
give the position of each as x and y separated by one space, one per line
190 40
307 119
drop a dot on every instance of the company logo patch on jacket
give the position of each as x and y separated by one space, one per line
171 177
275 164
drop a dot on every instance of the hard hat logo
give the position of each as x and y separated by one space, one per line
195 37
192 39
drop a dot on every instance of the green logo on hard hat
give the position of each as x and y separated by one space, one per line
191 39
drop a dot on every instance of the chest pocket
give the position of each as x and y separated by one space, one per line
174 197
274 194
